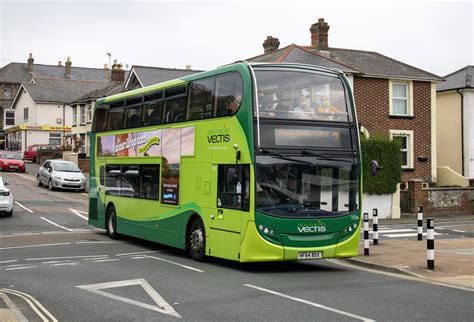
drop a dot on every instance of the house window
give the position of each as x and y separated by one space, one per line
89 113
83 114
54 138
401 102
9 117
25 114
83 143
405 138
74 115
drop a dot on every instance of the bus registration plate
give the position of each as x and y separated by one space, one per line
310 255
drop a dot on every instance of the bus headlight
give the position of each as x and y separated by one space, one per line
269 233
348 231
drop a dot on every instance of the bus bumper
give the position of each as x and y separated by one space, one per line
254 248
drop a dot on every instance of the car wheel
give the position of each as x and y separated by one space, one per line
9 213
38 181
50 185
111 225
197 240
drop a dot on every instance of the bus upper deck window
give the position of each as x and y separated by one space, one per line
100 119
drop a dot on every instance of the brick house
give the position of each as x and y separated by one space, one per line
392 98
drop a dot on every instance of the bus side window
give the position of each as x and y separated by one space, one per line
153 109
115 116
229 94
202 98
133 113
102 175
100 118
175 105
233 186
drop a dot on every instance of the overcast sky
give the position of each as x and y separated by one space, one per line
436 36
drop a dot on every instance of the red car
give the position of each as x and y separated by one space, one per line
31 152
11 161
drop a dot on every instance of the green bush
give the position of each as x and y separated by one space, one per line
387 153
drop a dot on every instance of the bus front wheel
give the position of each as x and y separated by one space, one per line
111 223
197 240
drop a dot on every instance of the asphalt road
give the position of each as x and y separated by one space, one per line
48 252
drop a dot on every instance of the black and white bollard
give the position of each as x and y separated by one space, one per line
375 226
366 234
430 253
420 223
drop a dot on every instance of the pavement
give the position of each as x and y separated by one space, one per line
454 258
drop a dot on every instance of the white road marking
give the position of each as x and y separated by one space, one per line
383 231
162 306
10 261
19 234
407 235
139 253
19 204
174 263
106 260
37 305
33 246
459 231
79 213
97 242
327 308
65 257
55 224
23 176
17 268
65 264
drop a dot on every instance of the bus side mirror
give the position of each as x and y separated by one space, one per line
375 167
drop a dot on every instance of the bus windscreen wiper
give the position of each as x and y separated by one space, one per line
322 156
281 156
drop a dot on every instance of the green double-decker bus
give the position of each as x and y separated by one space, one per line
247 162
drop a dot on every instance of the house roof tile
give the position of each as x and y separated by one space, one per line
459 79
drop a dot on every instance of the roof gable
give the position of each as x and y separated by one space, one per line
154 75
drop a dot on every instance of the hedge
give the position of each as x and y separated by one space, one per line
387 153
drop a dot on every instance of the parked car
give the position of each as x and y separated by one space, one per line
11 161
61 174
6 199
31 152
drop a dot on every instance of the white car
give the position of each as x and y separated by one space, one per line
61 174
6 199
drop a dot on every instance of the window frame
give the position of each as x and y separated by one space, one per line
83 114
26 115
409 97
409 150
12 112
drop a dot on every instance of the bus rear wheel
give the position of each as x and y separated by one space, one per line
197 240
111 224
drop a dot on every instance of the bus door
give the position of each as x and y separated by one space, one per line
230 205
97 196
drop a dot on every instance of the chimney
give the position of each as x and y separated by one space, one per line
118 74
68 65
60 63
270 44
30 64
319 35
106 72
188 67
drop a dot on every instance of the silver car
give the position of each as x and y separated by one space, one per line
61 174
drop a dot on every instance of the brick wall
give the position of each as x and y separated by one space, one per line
373 108
441 201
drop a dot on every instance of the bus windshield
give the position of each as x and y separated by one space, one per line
288 94
306 185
